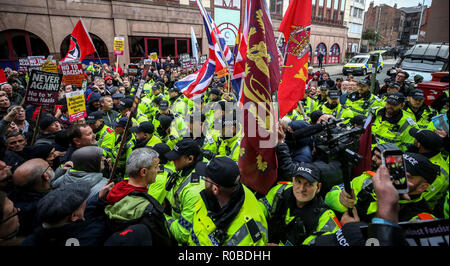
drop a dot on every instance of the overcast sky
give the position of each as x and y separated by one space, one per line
400 3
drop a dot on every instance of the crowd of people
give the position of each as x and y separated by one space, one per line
172 187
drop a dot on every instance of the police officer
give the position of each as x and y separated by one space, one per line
420 173
178 122
296 214
166 132
209 142
322 97
392 124
362 196
308 106
103 134
157 91
125 107
149 82
177 105
429 144
184 187
334 108
391 88
362 100
166 169
145 135
294 115
417 110
228 213
231 138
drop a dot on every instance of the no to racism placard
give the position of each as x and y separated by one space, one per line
73 74
43 88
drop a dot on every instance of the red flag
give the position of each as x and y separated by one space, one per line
2 77
80 45
295 26
258 162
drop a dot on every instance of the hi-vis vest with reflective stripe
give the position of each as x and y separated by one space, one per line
327 223
238 234
183 197
397 134
339 112
106 140
436 191
362 107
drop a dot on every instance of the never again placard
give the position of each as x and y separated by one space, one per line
43 88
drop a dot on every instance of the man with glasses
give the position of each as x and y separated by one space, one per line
32 180
228 213
400 79
9 221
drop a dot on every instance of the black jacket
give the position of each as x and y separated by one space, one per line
89 232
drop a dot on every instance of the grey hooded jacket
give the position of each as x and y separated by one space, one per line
86 167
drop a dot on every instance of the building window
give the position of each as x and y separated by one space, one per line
276 7
335 16
328 3
15 44
342 5
99 45
313 11
336 4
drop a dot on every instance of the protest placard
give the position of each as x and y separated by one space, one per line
49 66
76 105
35 63
23 65
154 57
203 59
185 60
43 88
133 69
427 233
73 74
119 45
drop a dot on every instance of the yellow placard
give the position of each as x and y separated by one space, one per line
154 56
50 66
76 105
119 45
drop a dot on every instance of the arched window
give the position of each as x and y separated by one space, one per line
99 45
335 53
321 48
15 44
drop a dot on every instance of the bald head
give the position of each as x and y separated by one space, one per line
33 174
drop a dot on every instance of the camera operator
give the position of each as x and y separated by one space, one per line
301 148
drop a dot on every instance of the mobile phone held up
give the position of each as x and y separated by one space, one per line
394 162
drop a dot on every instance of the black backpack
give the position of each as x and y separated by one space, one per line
153 218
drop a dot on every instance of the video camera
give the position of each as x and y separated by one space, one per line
336 141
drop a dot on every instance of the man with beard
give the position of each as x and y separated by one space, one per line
231 138
362 100
419 112
392 124
322 97
420 173
144 135
333 107
210 142
430 144
226 206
